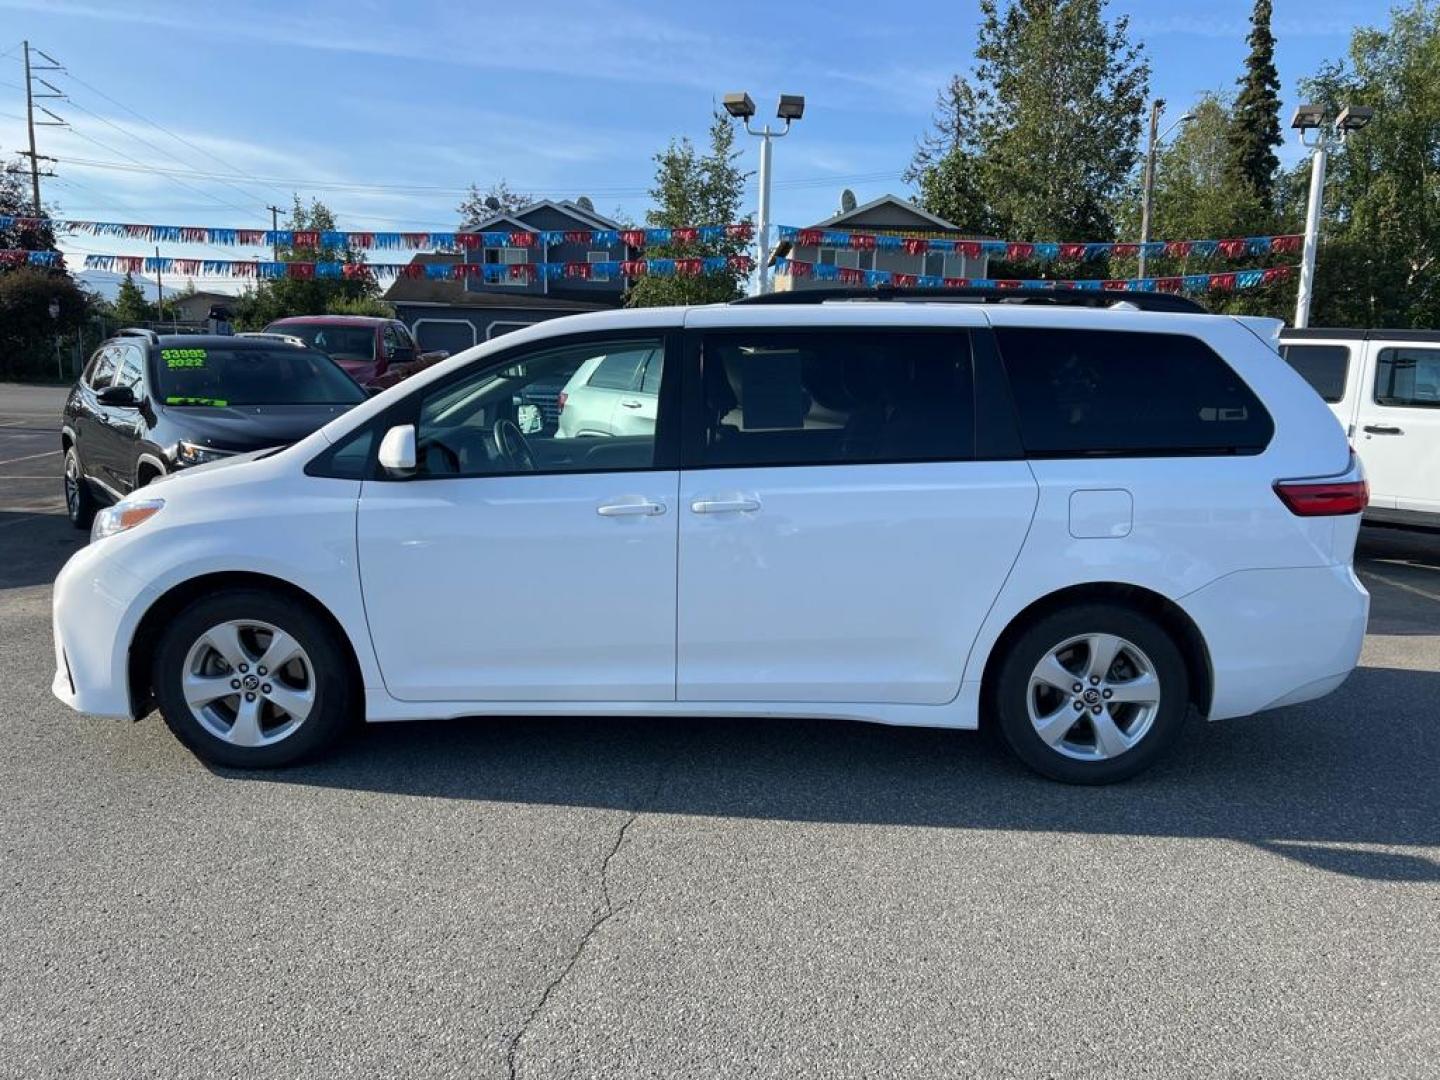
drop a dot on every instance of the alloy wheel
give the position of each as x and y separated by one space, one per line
72 485
248 683
1093 697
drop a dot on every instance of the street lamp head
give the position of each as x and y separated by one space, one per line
740 106
791 107
1307 117
1186 118
1354 117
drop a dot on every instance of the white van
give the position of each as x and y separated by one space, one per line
1384 385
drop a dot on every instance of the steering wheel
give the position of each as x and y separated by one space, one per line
511 445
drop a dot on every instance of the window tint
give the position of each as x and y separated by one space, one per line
1081 392
349 460
104 371
500 421
1323 366
619 370
1408 377
131 366
826 398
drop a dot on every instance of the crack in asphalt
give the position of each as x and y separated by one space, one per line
603 914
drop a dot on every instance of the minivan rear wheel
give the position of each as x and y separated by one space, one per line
250 679
1092 694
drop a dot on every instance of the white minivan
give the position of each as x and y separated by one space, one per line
1067 516
1384 386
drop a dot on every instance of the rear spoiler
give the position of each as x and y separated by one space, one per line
1266 329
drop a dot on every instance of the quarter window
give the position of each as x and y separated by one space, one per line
1107 392
1409 378
1323 366
835 398
619 370
503 420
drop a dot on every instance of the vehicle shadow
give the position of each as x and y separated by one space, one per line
1322 784
1401 568
34 546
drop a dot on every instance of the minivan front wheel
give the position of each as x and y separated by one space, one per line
250 679
1092 694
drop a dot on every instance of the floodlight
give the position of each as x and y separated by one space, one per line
791 107
739 105
1354 117
1307 117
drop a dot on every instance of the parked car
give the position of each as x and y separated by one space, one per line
615 393
373 351
1384 387
1079 525
147 405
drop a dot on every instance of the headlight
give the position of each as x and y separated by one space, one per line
123 516
191 454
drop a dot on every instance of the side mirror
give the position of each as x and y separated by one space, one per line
118 396
397 450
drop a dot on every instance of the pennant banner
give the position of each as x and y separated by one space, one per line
1014 251
395 241
1226 282
536 271
13 257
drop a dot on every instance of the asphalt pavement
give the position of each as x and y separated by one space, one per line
542 898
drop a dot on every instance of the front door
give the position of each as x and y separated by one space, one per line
523 567
1398 427
839 541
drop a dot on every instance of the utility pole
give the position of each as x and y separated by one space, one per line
274 228
159 290
1156 108
35 156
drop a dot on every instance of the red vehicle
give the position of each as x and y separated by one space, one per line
373 351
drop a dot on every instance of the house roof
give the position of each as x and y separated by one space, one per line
516 217
935 223
452 293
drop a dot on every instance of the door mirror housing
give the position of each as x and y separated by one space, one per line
118 396
397 450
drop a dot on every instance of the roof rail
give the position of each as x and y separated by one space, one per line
138 331
1099 298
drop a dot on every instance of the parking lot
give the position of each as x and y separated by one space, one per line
714 898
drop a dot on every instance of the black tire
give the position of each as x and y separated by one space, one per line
336 697
1013 694
80 504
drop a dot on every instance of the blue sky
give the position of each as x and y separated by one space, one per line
388 111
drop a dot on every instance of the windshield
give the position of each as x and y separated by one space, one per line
341 342
283 375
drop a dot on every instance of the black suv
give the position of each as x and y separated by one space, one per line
149 404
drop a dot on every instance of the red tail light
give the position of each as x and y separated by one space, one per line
1306 498
560 401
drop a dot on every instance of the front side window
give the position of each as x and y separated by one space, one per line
504 420
279 375
131 368
1323 366
836 398
102 371
1081 393
1409 378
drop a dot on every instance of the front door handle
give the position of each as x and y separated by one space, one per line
630 404
630 508
1383 429
725 506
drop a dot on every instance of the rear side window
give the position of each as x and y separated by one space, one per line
1323 366
1409 378
619 370
834 398
1080 393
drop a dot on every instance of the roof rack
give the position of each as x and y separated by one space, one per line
1099 298
138 331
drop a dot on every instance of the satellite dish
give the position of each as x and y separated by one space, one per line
584 203
847 201
492 203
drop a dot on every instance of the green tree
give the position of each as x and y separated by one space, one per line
28 332
131 308
498 198
1255 122
15 202
1379 261
1038 140
696 189
276 298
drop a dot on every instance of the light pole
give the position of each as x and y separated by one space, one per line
54 310
791 107
1148 195
1310 118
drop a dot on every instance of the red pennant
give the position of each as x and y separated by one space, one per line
250 237
1072 251
303 271
849 275
634 267
1231 249
522 239
306 238
689 267
862 241
1282 245
1222 282
904 281
808 238
634 238
684 235
915 245
1178 249
1124 251
1019 252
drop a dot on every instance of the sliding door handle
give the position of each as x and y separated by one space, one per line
1383 429
630 508
739 504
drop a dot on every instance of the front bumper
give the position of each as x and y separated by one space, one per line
1279 637
96 607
